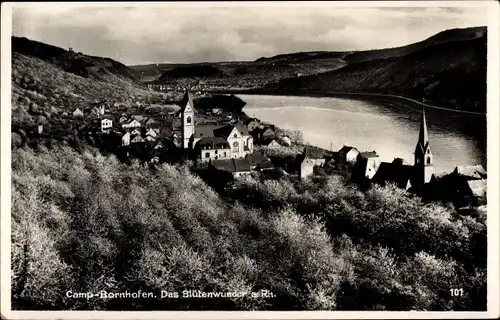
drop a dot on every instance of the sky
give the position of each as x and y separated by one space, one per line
144 34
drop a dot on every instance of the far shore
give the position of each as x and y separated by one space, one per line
372 97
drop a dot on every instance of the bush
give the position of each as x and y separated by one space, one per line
88 222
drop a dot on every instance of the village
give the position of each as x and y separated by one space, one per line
224 146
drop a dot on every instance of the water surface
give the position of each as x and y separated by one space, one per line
391 129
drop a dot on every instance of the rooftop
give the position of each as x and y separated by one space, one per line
397 173
206 130
473 172
213 143
232 165
368 154
346 149
478 187
257 158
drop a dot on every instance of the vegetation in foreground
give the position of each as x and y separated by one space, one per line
85 222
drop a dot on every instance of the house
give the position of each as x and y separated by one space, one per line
259 162
475 192
470 172
152 124
150 138
139 118
151 133
236 167
306 162
98 110
159 146
131 124
367 164
123 119
395 172
126 139
106 124
135 132
212 148
267 133
273 144
136 139
348 154
40 128
252 124
156 156
77 113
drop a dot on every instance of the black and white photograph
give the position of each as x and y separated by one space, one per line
262 156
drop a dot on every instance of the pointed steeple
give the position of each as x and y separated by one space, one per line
423 138
423 156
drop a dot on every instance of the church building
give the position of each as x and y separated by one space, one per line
211 142
407 176
423 156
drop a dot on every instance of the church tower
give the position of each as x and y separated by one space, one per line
187 118
423 155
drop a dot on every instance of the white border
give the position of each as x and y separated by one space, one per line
493 103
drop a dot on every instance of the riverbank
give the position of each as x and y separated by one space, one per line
370 97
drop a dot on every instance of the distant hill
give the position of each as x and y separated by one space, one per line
44 85
82 65
303 57
193 71
447 36
448 69
451 73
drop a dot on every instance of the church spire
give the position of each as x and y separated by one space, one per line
423 138
423 155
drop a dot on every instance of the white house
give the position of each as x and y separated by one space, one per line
78 113
152 133
150 138
126 139
132 124
106 124
348 154
137 139
273 144
135 132
159 145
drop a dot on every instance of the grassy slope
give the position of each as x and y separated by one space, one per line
90 223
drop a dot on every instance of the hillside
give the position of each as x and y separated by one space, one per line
451 74
82 220
448 69
195 71
97 224
41 90
83 65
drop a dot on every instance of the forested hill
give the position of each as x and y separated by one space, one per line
450 74
104 69
447 69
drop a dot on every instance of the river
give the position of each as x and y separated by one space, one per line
388 127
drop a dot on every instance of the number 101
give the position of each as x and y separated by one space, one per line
457 292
